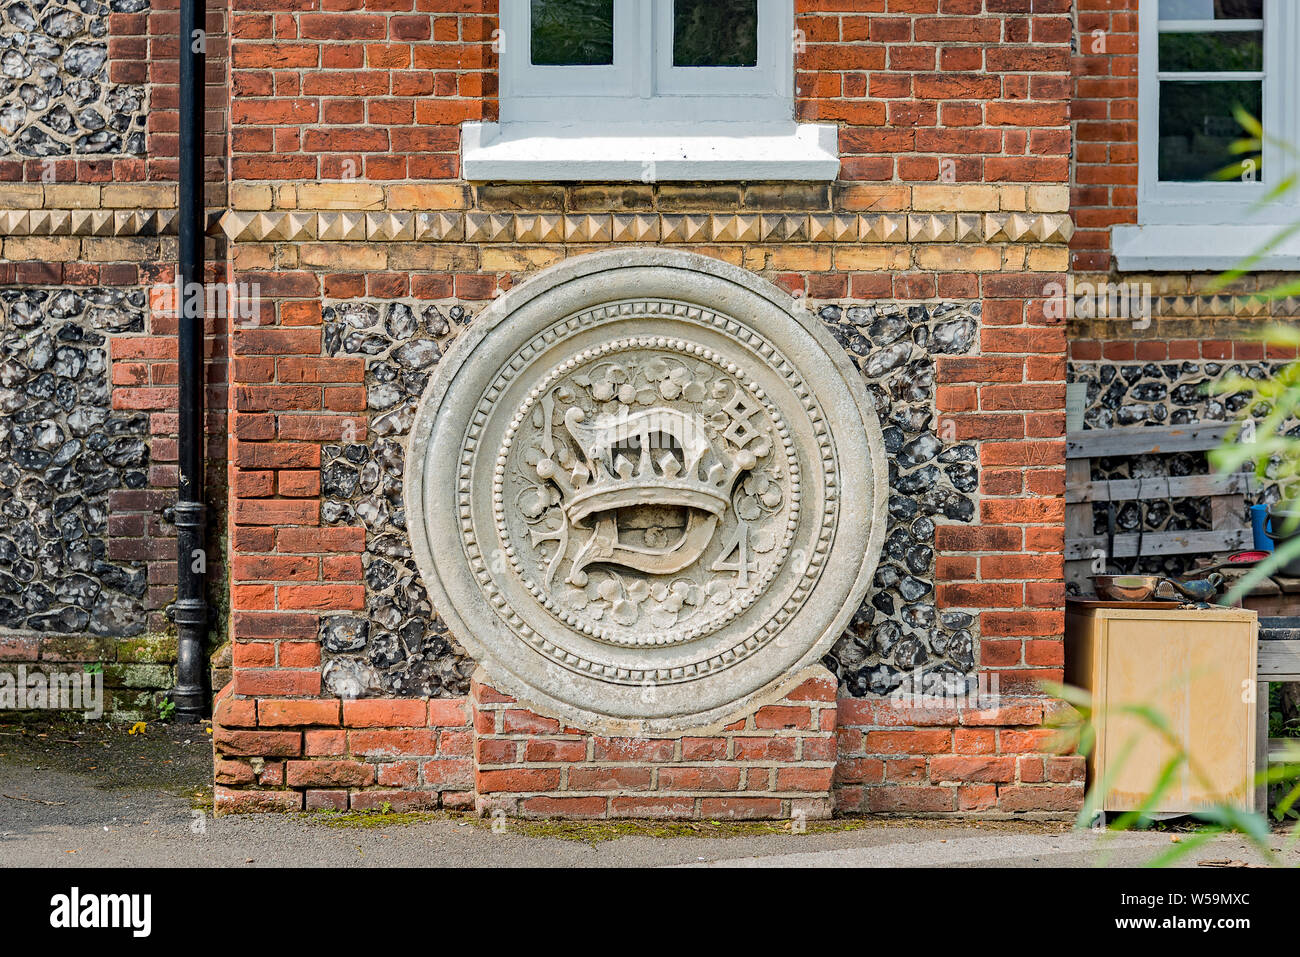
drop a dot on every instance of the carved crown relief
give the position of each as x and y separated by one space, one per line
643 501
649 498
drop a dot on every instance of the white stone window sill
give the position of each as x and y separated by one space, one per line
649 153
1200 247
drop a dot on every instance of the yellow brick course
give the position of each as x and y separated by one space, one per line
871 258
21 196
137 195
62 249
367 196
957 257
956 199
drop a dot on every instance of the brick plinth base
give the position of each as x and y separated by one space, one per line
137 670
804 755
775 763
287 754
987 762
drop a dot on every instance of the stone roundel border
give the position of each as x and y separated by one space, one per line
636 676
679 346
435 453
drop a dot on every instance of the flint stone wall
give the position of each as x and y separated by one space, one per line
401 648
56 98
63 449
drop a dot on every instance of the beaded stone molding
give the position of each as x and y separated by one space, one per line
644 489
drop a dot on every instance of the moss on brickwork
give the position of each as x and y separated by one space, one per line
153 648
142 677
70 649
137 685
594 832
128 705
371 819
591 832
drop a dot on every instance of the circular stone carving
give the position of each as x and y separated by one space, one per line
645 489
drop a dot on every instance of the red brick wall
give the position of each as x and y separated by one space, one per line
1105 119
142 49
982 85
279 754
375 89
1010 564
1004 759
1152 350
968 93
342 90
1104 185
803 756
775 763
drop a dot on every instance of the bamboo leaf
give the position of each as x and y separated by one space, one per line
1249 123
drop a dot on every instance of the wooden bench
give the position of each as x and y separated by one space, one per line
1229 530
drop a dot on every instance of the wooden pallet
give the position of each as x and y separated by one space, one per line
1230 531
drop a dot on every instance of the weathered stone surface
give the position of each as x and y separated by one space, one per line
363 484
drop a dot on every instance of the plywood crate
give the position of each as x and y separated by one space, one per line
1196 669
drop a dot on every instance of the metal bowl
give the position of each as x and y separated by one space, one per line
1127 587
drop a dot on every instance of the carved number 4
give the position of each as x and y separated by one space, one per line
738 542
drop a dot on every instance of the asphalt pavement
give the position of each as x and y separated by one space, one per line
95 796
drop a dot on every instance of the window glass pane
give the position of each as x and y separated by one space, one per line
1211 9
1197 126
1218 52
715 32
572 32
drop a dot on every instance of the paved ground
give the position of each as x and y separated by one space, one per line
95 796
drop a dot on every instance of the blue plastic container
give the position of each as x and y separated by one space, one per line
1259 528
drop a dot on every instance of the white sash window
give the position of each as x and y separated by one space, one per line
1200 61
649 90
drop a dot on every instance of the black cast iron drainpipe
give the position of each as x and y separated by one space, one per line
190 613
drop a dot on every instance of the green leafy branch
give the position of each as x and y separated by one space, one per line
1250 146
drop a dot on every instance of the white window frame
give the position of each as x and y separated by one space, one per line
643 85
769 81
644 119
536 92
1226 202
1169 213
